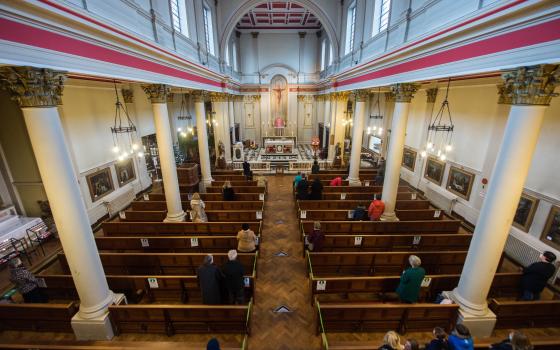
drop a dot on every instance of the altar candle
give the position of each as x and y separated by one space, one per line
266 133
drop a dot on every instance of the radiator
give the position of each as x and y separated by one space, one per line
120 202
440 197
523 252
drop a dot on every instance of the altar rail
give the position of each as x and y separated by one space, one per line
255 166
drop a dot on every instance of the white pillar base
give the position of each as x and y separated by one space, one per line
479 326
389 217
98 328
354 182
179 217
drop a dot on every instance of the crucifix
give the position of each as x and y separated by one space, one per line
279 98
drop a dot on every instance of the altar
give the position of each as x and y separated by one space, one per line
279 145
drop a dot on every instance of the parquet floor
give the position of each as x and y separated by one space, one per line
282 280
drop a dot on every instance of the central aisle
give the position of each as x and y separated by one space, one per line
282 280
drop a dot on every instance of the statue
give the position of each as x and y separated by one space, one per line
221 156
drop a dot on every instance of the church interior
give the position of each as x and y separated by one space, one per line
279 174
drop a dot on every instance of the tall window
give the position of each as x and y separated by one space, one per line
179 16
323 54
331 55
209 30
350 22
384 15
234 58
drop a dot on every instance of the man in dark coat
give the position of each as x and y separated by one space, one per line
536 275
246 168
316 190
233 272
209 279
315 168
302 188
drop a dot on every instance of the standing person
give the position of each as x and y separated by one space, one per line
440 340
316 238
391 341
536 275
316 190
515 341
26 283
303 188
297 179
233 273
228 192
209 279
246 240
197 209
315 168
461 338
246 168
411 278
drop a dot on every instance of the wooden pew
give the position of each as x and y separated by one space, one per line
387 243
239 183
112 229
213 215
384 227
210 205
371 317
328 177
361 189
526 314
383 263
350 204
37 317
403 215
209 197
237 177
237 189
550 343
51 344
503 285
160 263
167 244
172 319
184 289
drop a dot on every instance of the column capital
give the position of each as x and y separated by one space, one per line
361 95
199 95
170 97
340 95
157 93
533 85
128 95
255 34
431 95
33 87
389 97
218 97
404 91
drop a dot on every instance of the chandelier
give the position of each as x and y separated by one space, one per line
440 131
377 127
184 118
124 132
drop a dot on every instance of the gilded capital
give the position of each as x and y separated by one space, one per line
404 91
389 97
199 95
340 96
33 87
128 95
157 93
431 95
360 95
533 85
300 98
170 97
218 97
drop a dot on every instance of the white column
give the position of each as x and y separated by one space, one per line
203 152
529 90
220 106
231 119
357 135
340 100
63 192
157 93
403 94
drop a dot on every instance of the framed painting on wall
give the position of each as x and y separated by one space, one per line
100 184
409 159
249 115
525 212
551 232
125 171
460 182
434 170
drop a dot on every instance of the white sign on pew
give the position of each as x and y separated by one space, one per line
189 196
413 196
144 242
426 282
257 240
366 183
146 196
350 214
246 282
194 242
416 240
153 282
259 215
122 215
358 240
343 196
261 196
437 213
321 285
303 214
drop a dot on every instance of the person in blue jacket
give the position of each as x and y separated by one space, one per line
461 338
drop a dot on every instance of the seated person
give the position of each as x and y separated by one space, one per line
337 181
26 283
515 341
536 275
247 240
360 213
461 338
303 188
316 190
297 179
411 279
376 209
315 168
228 192
440 340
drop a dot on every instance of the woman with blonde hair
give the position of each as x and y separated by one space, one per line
228 192
391 341
197 209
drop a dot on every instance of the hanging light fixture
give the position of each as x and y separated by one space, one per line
124 132
377 128
440 131
184 118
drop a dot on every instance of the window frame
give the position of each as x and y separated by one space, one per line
208 29
350 28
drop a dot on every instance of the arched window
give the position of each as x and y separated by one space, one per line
209 30
179 17
350 24
323 54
